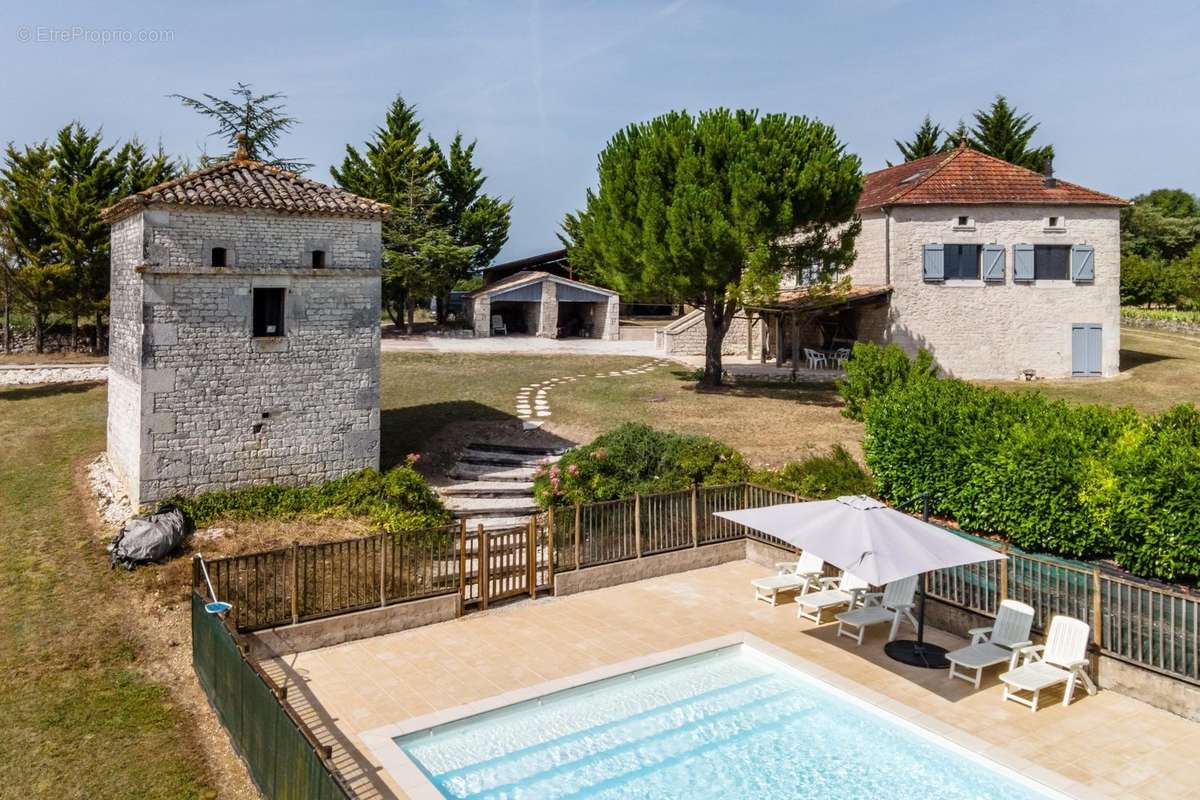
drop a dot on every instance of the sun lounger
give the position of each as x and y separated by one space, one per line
1062 659
794 576
834 592
894 603
999 644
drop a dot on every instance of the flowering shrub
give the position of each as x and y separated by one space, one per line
637 458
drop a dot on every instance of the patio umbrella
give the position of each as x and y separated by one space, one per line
875 542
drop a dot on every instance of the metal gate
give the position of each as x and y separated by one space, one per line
507 562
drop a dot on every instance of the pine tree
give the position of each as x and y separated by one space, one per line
1001 132
255 122
956 138
142 169
925 141
419 249
36 274
474 219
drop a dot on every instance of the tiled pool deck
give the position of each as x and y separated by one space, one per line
1114 745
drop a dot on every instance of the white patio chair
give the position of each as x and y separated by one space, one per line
498 325
1000 643
840 357
834 592
814 359
893 604
1062 659
794 576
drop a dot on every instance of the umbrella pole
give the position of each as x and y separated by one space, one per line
918 653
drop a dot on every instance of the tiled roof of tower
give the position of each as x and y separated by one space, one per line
242 183
965 176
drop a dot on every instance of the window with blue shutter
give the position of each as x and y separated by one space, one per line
1083 262
1023 269
993 263
934 263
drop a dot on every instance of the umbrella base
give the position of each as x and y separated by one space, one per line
917 654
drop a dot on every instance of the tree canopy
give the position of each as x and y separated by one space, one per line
927 140
998 131
442 225
254 121
1160 249
56 247
713 209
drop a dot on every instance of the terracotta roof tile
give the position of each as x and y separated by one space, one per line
250 184
965 176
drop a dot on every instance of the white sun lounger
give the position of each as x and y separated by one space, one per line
794 576
834 592
894 603
1062 659
998 644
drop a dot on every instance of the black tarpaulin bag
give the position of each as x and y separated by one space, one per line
147 539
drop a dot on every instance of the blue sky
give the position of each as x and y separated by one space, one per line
542 85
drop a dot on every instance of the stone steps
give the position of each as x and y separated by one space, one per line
494 485
491 506
495 457
486 488
491 472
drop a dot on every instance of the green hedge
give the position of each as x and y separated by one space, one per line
873 370
820 477
396 500
637 458
1075 480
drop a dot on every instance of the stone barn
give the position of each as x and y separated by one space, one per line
245 310
547 305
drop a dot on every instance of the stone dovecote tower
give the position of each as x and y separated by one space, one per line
244 342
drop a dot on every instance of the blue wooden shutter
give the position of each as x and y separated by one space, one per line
993 263
1087 341
1023 262
1083 262
934 262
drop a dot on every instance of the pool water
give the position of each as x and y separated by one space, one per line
729 724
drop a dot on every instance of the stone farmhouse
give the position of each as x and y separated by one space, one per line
244 332
999 271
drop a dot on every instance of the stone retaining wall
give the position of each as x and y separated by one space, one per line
1172 326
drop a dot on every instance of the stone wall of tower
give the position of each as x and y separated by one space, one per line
215 407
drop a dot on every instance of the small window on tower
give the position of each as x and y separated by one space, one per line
268 311
218 256
964 222
318 259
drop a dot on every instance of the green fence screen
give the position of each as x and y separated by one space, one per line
282 762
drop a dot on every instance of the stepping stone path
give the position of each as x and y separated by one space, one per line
533 401
494 482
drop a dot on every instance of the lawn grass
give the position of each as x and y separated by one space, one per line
81 719
1159 369
424 394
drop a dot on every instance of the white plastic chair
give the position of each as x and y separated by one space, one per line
815 360
840 357
794 576
498 325
998 644
892 605
843 591
1062 659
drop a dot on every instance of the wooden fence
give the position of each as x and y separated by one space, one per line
1139 622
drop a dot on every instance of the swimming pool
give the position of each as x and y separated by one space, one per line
728 723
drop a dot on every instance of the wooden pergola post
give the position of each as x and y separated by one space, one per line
795 344
778 339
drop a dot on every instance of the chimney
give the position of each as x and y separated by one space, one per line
243 152
1048 174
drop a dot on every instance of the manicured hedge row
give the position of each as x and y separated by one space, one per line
1075 480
